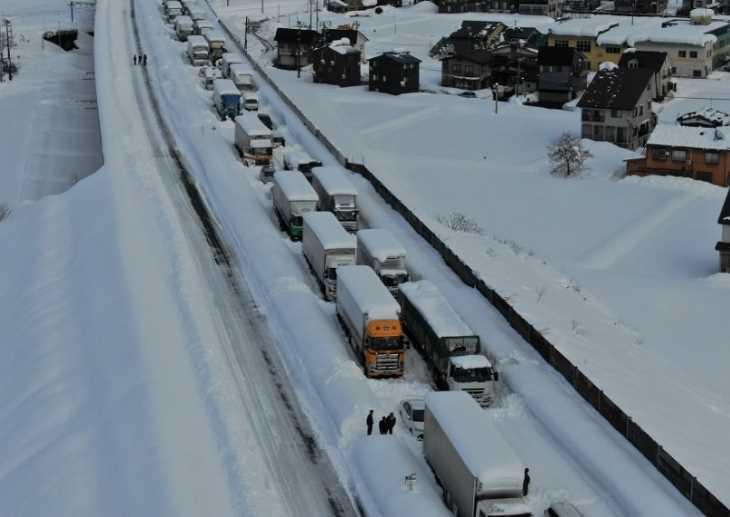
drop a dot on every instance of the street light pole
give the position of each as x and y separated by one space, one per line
299 52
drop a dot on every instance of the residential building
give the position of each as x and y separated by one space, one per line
294 47
552 8
582 34
616 107
337 63
708 117
472 34
514 65
357 38
658 63
477 6
466 67
692 152
723 245
394 73
562 75
640 6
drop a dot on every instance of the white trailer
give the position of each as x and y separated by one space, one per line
228 59
202 26
227 98
480 473
326 246
337 194
449 346
198 50
183 27
370 317
292 197
173 9
253 139
217 44
378 249
242 76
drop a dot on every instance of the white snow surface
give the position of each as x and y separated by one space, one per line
380 243
435 309
478 441
329 231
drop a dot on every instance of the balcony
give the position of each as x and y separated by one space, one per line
592 116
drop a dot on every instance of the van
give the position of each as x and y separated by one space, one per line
197 50
227 99
250 101
183 27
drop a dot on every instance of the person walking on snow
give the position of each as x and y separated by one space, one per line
382 426
135 59
144 59
526 482
391 423
369 422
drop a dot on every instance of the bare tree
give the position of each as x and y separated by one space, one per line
567 155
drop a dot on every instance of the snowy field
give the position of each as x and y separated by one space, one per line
619 273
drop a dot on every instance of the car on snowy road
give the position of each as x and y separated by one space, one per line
411 415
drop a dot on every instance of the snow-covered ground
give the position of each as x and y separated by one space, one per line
618 273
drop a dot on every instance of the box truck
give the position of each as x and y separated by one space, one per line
253 139
378 249
292 197
217 44
336 194
227 98
479 472
370 317
449 346
326 246
183 27
198 50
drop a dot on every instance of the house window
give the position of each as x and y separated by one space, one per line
712 158
468 69
660 154
693 54
614 113
583 45
682 53
636 111
613 50
679 155
696 73
561 43
456 68
641 111
674 70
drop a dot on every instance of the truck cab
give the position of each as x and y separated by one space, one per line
473 374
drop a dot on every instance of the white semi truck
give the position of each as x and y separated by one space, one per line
378 249
479 472
253 139
370 317
336 194
198 50
326 246
449 346
293 197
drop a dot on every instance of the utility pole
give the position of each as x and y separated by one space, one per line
245 35
495 93
299 52
71 7
8 45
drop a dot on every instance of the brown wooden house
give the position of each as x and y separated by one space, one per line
394 73
337 63
692 152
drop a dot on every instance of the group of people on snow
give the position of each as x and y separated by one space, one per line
385 425
140 60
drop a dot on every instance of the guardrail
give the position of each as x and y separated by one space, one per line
670 468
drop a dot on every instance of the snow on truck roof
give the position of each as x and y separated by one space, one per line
295 186
197 41
435 309
480 444
469 362
380 243
214 35
329 231
252 126
334 180
368 292
226 87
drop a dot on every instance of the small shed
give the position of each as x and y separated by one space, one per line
336 63
394 73
723 245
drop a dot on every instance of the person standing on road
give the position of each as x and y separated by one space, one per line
382 426
391 423
526 483
134 60
369 422
144 59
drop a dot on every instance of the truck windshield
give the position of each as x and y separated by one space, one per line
418 415
295 220
331 273
471 375
386 343
230 101
346 215
395 279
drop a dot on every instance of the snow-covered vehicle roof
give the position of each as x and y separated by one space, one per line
470 362
334 180
295 186
380 244
215 36
183 20
329 231
368 292
197 41
475 436
435 309
225 87
174 4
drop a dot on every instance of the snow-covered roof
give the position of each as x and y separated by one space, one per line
690 137
701 13
184 20
225 87
334 181
342 46
582 27
475 436
435 309
368 292
173 5
470 362
197 41
295 186
678 32
329 231
215 35
380 244
294 156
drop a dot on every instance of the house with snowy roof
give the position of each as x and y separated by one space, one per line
552 8
294 47
692 152
582 34
466 55
394 73
477 6
336 63
562 75
357 38
616 107
658 62
723 245
708 117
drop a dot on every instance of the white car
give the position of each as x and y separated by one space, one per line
411 415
